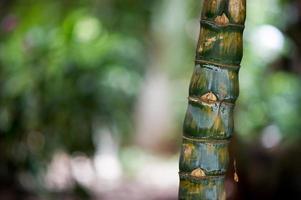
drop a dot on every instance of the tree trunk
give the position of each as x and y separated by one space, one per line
214 88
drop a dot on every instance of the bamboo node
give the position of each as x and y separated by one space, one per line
209 97
222 20
198 173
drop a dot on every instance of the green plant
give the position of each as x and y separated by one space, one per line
214 88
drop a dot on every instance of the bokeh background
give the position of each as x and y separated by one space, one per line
93 97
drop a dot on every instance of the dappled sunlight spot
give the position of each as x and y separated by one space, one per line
106 161
267 41
87 29
108 167
159 173
58 176
83 170
271 137
153 117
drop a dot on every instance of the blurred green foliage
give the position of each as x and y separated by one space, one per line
270 88
64 67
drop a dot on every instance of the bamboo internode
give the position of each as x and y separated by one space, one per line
214 88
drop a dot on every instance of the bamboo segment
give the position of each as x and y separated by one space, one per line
198 189
219 80
195 155
210 121
220 44
214 88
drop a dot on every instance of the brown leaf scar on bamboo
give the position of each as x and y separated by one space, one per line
209 98
222 20
199 173
210 41
236 178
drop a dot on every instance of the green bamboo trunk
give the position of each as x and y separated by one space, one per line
214 88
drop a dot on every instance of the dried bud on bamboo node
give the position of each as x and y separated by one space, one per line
236 178
209 98
222 20
199 173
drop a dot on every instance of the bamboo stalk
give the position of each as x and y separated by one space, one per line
214 88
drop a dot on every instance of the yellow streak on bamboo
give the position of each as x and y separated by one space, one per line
237 10
223 155
188 150
193 188
231 43
212 6
218 125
